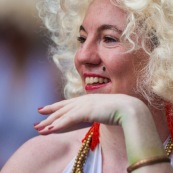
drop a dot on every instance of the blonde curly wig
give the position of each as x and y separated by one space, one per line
150 21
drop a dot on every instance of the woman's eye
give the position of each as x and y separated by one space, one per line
81 39
110 40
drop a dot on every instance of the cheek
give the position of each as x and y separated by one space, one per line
115 59
76 62
119 65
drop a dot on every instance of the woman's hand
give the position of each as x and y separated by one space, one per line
141 136
103 108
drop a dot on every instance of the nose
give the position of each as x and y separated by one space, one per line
88 53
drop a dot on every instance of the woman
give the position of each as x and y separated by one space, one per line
123 58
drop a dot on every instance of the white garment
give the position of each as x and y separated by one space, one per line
93 162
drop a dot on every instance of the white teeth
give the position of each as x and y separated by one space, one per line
87 80
96 80
105 80
100 80
91 80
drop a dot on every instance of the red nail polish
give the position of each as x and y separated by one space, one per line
51 127
41 128
36 124
40 108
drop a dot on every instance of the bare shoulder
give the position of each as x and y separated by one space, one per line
45 154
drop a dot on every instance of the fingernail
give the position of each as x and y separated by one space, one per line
36 124
40 108
51 127
41 128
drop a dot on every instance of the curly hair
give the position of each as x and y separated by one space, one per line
150 21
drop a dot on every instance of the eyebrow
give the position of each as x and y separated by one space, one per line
104 27
81 28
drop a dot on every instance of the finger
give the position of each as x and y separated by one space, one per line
49 109
47 130
53 117
64 122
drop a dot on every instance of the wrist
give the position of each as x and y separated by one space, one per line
141 136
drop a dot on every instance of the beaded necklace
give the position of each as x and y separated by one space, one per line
169 147
89 142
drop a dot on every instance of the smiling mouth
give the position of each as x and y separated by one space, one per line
96 80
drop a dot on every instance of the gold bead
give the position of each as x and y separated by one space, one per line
85 152
169 147
88 142
82 154
78 166
90 136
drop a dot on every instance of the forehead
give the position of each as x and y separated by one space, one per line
105 12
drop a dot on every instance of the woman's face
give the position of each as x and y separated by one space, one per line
100 47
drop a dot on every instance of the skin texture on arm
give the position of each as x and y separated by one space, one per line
31 157
141 136
45 154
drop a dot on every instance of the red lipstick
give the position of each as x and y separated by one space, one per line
93 87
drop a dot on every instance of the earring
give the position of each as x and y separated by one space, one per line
104 68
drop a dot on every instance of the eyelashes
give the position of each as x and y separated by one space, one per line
81 39
109 39
105 40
